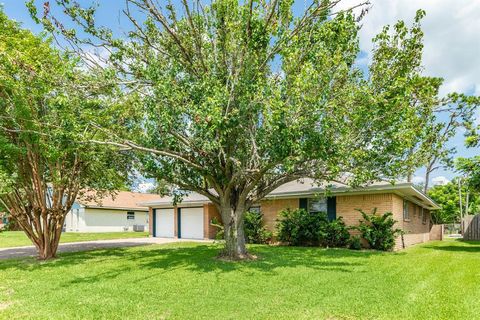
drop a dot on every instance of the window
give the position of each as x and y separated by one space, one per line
424 216
406 214
317 205
255 209
130 215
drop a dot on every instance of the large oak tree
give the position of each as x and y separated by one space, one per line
239 97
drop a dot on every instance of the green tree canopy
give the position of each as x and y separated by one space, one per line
46 103
234 98
398 67
448 197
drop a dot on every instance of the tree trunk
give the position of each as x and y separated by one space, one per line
427 178
46 251
46 236
49 250
233 219
410 177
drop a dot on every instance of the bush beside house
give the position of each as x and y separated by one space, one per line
301 228
254 227
378 230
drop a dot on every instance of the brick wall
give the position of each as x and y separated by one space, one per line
271 209
436 232
415 230
211 212
347 206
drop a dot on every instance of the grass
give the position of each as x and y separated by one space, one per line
18 238
437 280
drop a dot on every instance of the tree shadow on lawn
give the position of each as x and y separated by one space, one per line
201 258
471 246
458 245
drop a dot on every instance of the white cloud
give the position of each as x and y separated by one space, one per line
452 36
440 181
144 186
418 179
95 56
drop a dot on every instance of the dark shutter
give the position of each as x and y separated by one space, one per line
303 203
332 208
154 221
179 222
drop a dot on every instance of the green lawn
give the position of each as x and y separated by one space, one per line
438 280
18 238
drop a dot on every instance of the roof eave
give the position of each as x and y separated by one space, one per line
396 188
117 208
156 204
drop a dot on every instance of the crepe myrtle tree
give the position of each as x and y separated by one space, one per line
235 98
46 103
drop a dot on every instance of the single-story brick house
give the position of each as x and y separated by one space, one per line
109 214
410 207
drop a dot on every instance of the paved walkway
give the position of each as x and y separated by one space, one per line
30 251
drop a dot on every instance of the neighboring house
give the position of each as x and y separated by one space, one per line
121 212
410 207
3 220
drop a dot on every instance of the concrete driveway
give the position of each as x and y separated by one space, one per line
30 251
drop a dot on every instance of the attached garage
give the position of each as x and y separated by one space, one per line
164 223
184 223
190 220
190 223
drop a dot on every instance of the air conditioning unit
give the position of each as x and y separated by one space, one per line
138 228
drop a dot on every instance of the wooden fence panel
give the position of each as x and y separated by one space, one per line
472 227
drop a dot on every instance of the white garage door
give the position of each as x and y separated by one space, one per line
191 223
164 223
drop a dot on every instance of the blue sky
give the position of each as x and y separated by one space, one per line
452 41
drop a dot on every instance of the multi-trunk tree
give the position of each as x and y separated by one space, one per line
46 103
239 97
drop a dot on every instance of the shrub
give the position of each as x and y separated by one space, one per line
255 231
220 229
334 234
299 227
355 243
378 230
